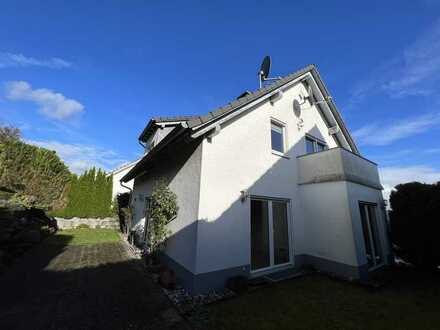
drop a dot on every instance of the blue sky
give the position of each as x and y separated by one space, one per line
84 78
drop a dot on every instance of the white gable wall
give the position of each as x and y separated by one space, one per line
117 187
159 134
241 158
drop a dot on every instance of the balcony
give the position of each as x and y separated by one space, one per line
337 164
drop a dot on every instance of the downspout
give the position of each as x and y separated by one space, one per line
129 202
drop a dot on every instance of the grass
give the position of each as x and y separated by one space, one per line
410 301
84 236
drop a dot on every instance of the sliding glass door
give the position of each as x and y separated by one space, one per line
370 228
270 243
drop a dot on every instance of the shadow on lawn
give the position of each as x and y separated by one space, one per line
61 286
409 301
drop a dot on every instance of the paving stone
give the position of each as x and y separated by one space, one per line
83 287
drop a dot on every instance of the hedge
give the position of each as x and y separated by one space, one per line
36 175
89 196
415 223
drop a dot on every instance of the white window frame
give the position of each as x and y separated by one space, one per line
315 143
375 253
280 124
272 267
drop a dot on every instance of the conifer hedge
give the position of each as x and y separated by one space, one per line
37 175
89 196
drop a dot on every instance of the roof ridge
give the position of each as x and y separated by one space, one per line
195 120
248 98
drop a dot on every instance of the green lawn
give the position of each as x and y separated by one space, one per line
410 301
84 236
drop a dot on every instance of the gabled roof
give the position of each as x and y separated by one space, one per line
139 168
193 121
199 121
252 96
123 167
157 120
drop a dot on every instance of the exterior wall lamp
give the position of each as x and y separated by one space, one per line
244 194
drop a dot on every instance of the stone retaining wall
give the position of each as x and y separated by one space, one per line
109 223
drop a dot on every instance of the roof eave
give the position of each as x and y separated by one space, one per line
136 170
142 137
202 121
335 111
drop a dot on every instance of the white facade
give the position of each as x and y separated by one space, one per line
216 177
117 175
241 158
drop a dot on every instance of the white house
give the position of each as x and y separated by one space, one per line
272 180
117 175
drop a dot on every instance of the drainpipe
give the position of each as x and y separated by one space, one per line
129 203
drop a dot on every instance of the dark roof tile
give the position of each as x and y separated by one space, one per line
193 121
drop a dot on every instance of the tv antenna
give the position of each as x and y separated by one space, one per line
263 74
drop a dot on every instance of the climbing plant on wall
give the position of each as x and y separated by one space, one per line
163 208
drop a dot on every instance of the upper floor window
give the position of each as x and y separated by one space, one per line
277 136
314 145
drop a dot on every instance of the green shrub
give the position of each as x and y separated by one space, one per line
89 196
83 226
163 208
37 175
9 133
415 223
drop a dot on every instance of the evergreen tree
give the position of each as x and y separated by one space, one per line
89 195
37 175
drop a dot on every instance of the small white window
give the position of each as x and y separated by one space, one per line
277 137
314 145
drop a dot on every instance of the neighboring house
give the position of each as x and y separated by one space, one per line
117 175
270 181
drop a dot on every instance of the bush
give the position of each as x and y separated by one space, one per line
89 196
37 175
9 133
163 208
415 223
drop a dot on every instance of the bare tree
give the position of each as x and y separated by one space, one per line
9 133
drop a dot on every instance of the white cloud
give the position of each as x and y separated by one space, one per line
380 134
19 60
392 176
51 104
79 157
419 64
415 71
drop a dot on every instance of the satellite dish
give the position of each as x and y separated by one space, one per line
265 67
263 74
296 108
